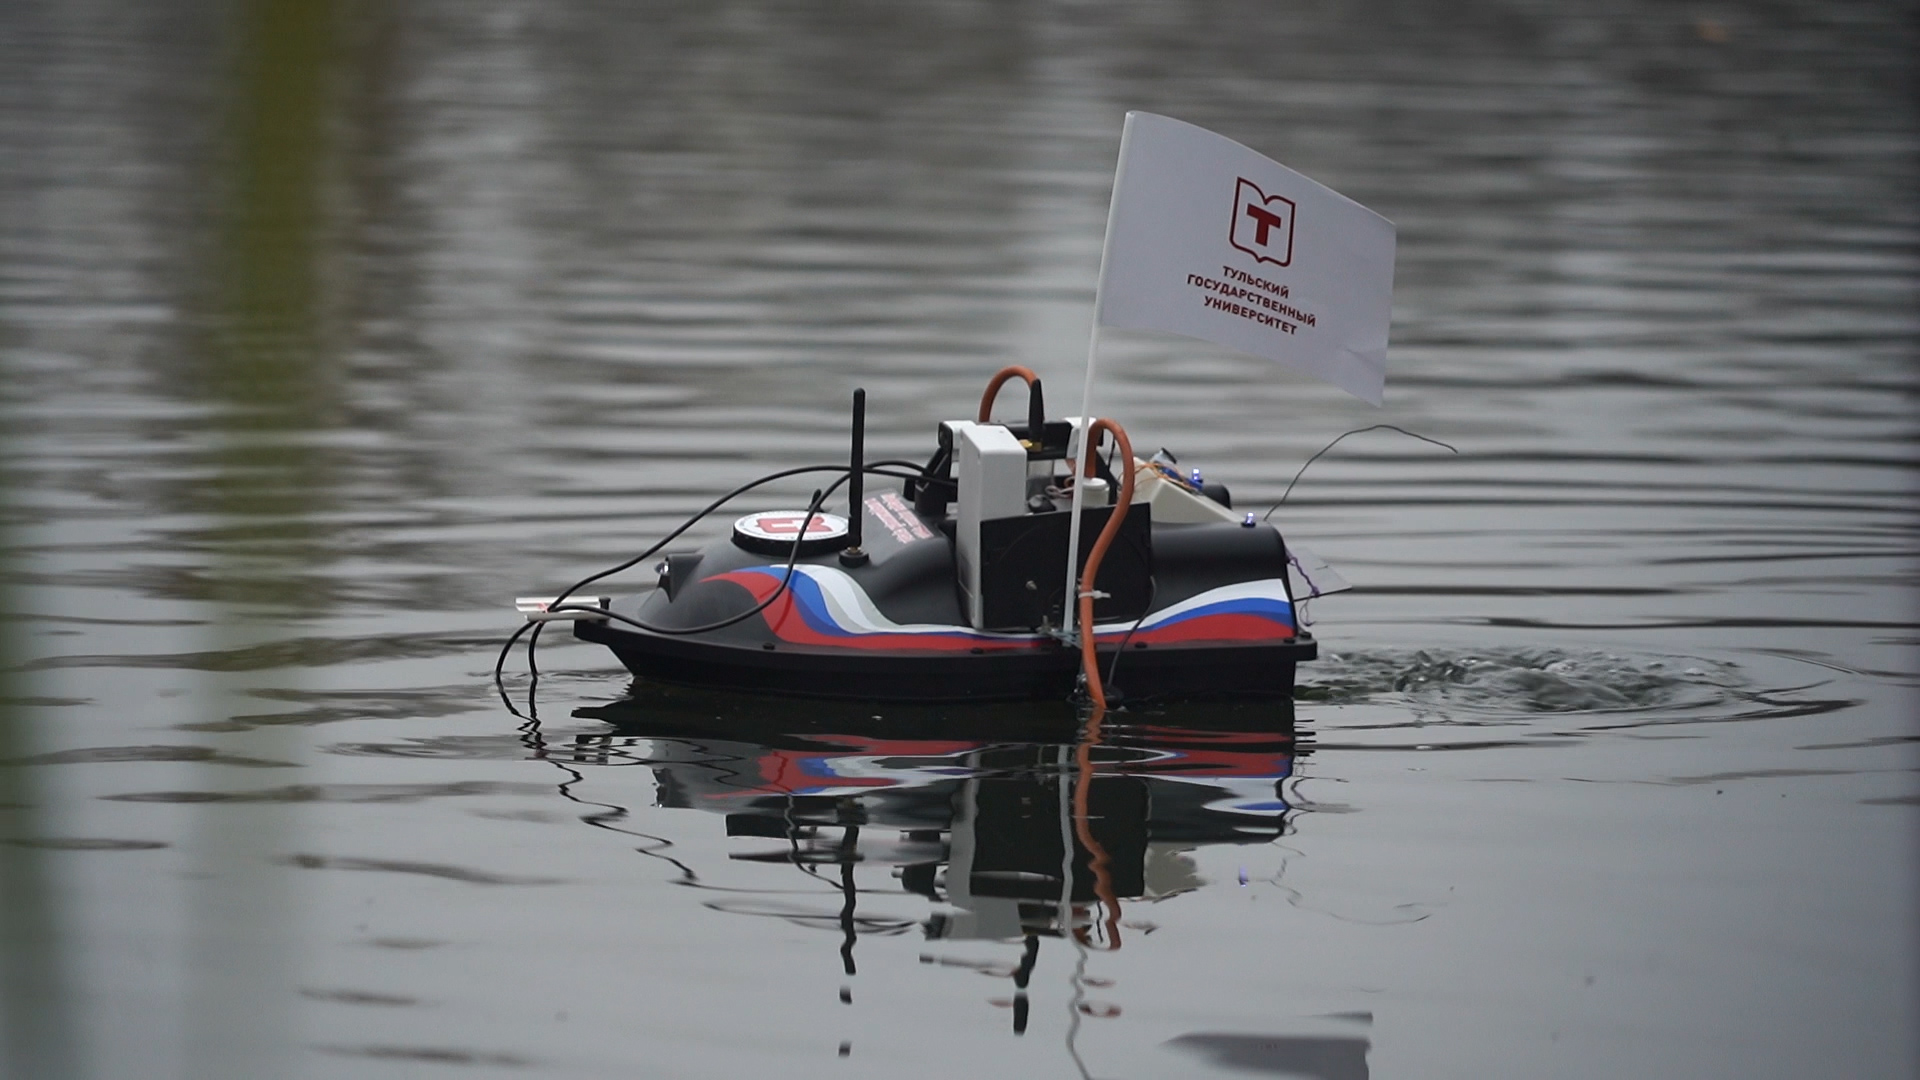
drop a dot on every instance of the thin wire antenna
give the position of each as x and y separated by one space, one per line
1449 447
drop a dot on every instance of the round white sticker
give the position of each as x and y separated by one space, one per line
782 526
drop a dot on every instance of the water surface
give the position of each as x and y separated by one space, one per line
327 329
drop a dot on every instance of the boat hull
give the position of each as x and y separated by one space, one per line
1220 623
1047 671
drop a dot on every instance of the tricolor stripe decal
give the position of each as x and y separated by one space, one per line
825 607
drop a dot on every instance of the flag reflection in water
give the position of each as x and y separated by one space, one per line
1016 826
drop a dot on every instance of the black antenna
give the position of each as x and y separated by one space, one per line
854 555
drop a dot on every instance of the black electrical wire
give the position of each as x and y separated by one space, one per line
1336 442
879 468
710 508
500 663
1153 589
793 556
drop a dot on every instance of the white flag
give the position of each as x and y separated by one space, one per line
1208 239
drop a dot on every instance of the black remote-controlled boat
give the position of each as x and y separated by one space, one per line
1018 562
952 586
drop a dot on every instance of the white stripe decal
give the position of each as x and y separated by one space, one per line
853 612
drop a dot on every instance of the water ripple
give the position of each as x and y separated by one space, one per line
1525 681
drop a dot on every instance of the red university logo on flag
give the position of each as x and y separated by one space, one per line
1262 226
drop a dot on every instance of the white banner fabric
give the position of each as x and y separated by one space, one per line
1209 239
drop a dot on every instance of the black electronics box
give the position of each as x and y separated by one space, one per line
1024 562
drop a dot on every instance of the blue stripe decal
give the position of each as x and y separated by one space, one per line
812 606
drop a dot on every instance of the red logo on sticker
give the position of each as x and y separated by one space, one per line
1262 225
785 525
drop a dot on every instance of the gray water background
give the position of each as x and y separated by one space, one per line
326 329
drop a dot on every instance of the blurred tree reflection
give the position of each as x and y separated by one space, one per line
264 366
35 1027
265 371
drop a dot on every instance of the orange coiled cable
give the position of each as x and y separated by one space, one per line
1089 663
1011 371
1097 858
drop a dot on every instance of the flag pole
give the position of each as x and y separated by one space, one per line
1079 474
1071 598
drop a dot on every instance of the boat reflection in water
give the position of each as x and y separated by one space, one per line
1018 823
